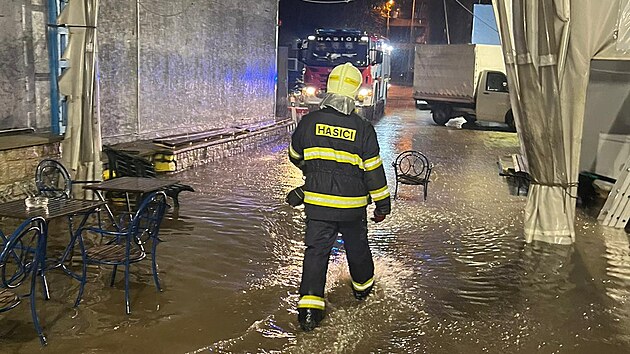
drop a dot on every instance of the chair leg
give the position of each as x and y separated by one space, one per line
155 270
42 265
127 306
83 271
100 220
38 327
111 282
425 187
175 201
396 191
45 290
70 229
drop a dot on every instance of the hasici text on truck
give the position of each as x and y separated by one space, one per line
325 49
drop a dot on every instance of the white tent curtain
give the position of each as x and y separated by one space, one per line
81 146
548 46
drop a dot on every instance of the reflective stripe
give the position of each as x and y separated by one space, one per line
333 155
361 287
351 81
294 153
379 194
334 201
373 163
311 301
329 154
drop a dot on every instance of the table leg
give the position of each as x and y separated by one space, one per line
109 210
128 202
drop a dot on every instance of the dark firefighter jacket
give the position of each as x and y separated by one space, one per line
339 155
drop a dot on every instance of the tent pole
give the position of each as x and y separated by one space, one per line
448 34
138 131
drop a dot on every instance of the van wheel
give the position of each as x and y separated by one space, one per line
441 114
509 120
439 118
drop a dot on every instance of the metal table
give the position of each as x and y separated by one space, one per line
56 208
130 185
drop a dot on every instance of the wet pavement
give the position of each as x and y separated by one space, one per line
453 273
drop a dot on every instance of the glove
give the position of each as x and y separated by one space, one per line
377 217
295 197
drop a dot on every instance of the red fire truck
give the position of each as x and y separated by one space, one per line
327 48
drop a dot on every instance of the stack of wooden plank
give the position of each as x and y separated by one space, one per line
616 210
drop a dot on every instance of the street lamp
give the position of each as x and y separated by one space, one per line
389 6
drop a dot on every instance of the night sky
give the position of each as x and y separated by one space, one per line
299 18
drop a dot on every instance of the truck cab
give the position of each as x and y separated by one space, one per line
491 102
462 80
327 48
493 99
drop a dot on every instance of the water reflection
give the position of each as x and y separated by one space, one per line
453 273
617 282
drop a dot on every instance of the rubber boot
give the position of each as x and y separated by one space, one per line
362 294
309 318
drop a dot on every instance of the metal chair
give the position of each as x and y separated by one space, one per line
21 261
128 245
53 180
412 168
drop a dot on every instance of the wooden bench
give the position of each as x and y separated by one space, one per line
412 168
122 163
180 140
514 166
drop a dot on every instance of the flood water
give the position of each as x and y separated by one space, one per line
453 273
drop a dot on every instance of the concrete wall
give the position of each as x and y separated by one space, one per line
17 169
24 94
200 155
203 65
24 80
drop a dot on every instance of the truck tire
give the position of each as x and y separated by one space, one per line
509 120
367 112
380 109
439 118
441 114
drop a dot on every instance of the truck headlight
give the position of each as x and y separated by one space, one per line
364 93
310 91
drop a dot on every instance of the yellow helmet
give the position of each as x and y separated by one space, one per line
344 80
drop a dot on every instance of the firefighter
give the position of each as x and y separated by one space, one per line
338 153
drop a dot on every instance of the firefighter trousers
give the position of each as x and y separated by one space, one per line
320 238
